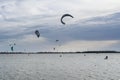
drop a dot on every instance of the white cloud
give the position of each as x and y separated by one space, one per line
31 39
33 12
86 45
80 8
25 43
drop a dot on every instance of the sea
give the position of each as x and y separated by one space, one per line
86 66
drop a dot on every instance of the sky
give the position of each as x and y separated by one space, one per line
95 25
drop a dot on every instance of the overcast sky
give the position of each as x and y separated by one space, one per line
95 25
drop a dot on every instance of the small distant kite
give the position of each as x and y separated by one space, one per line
37 33
12 49
12 46
53 48
57 40
65 15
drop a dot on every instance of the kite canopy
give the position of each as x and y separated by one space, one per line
57 40
37 33
12 48
65 15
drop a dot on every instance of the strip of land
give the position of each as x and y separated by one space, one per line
78 52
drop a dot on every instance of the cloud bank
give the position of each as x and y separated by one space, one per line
96 23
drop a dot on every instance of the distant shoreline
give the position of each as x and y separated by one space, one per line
96 52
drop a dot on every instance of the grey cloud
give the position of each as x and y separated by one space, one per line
108 18
109 31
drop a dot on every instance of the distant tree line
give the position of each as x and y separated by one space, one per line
99 52
59 52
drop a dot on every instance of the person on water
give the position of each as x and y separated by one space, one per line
106 57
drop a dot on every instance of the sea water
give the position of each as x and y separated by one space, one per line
60 66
